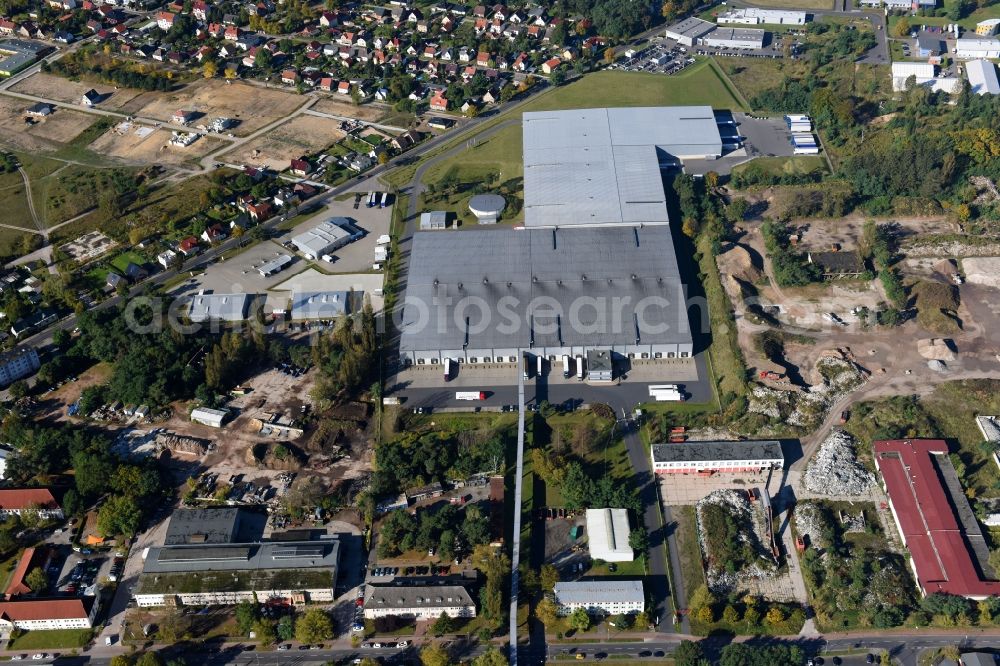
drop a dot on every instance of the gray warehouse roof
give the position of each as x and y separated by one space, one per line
691 27
419 596
769 449
243 556
322 237
226 307
206 526
319 304
594 591
539 272
602 166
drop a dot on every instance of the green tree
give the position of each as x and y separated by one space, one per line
315 626
119 515
444 624
149 659
548 576
689 653
730 615
120 660
492 657
546 612
434 654
264 629
246 613
902 28
37 581
579 620
286 628
19 389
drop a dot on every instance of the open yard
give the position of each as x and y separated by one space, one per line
344 107
253 106
141 145
50 86
302 135
45 133
55 638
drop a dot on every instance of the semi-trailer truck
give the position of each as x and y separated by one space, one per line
540 364
385 200
666 393
371 199
526 365
579 368
567 369
470 395
447 369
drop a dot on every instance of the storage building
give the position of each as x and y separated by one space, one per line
717 456
982 75
938 527
689 31
600 597
219 307
324 238
209 417
607 535
754 16
437 219
974 48
734 38
319 304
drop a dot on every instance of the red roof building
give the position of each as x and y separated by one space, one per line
914 473
46 614
16 587
16 500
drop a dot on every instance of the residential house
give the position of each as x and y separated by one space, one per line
300 167
189 246
165 20
550 65
438 101
214 234
91 98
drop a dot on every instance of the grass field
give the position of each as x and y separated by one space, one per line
800 164
55 638
796 4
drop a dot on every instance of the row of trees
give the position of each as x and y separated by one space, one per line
88 61
447 530
313 626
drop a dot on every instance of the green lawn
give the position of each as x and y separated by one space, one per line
121 262
698 84
796 4
500 153
55 638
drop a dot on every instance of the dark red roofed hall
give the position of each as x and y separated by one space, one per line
912 472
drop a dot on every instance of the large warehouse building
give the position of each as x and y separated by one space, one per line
948 552
594 267
484 296
593 167
722 456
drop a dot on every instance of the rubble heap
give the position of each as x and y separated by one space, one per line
835 469
719 579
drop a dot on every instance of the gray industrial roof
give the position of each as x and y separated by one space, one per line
692 27
602 166
243 556
769 449
275 264
319 304
982 77
541 272
599 591
736 35
418 596
226 307
206 526
323 236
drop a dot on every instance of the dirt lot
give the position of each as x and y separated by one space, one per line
339 107
254 106
60 127
54 87
139 144
301 135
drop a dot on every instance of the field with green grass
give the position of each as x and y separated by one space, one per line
52 639
796 4
778 166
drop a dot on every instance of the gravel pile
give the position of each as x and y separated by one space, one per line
835 469
808 523
719 580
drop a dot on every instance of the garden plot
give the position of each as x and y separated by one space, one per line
732 532
368 112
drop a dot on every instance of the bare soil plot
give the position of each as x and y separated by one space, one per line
58 128
141 145
302 135
49 86
342 107
253 106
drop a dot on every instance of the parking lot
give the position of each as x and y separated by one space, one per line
660 56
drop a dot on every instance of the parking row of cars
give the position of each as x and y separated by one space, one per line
377 646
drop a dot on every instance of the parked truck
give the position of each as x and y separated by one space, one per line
568 369
470 395
579 368
447 369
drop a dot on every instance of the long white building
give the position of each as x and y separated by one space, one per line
421 602
607 535
711 457
969 48
48 614
755 16
600 597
